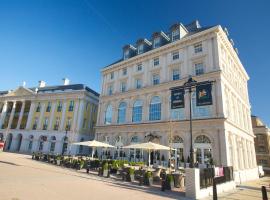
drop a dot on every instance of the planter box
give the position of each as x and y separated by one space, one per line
148 181
130 178
58 162
105 173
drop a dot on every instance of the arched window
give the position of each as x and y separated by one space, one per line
199 111
203 149
134 139
177 139
137 111
108 114
155 109
122 112
31 138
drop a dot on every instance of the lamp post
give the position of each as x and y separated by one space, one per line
189 85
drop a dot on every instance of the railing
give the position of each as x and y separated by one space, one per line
207 175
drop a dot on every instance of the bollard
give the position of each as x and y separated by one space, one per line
214 189
163 184
264 193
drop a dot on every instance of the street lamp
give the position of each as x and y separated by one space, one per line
191 83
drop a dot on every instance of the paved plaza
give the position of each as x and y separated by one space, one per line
22 178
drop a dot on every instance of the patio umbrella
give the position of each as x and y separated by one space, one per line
94 144
148 146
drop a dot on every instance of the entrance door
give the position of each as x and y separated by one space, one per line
8 142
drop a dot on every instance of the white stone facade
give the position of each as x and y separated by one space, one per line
226 123
25 127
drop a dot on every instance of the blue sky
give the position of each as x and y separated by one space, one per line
51 39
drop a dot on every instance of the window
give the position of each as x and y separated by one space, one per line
137 111
112 75
122 112
108 115
155 79
138 83
155 109
68 125
175 74
59 107
156 42
198 48
110 90
199 69
57 122
261 149
71 106
139 67
52 147
140 49
175 35
35 123
45 124
124 72
38 107
126 54
156 61
175 55
49 105
123 87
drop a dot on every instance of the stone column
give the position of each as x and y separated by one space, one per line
41 116
75 116
80 115
63 116
11 115
52 116
21 115
235 153
3 114
30 115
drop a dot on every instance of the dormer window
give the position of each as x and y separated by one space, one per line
140 49
175 35
156 43
126 54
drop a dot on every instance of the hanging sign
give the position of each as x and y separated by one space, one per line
177 98
204 94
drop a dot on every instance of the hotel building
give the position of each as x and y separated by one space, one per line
262 143
134 104
48 118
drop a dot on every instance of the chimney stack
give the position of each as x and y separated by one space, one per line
66 81
41 84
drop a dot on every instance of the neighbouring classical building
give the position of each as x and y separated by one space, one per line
134 104
262 143
48 118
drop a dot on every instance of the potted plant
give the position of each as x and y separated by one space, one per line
105 169
130 175
148 178
169 181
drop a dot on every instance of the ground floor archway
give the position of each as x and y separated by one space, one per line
8 142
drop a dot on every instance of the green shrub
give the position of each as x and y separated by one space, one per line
105 166
148 175
170 178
